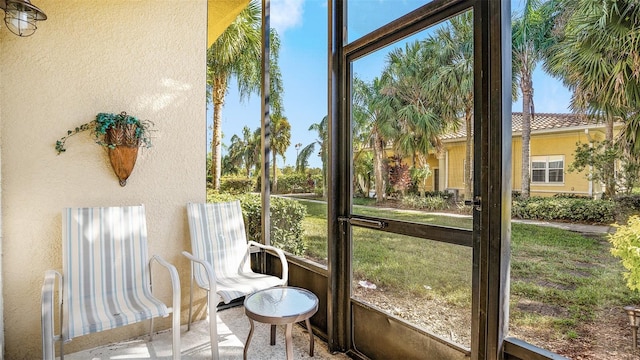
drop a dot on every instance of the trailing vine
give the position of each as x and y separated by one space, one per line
132 131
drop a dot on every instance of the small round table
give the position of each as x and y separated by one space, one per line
281 306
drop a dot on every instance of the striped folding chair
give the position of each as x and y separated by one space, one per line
105 281
220 262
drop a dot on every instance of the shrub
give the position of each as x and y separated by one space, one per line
629 201
294 183
442 194
286 225
570 196
627 205
626 246
236 185
425 203
319 190
286 220
399 177
213 196
564 209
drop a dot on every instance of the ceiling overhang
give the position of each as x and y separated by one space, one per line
220 14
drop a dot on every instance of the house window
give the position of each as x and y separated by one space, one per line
547 169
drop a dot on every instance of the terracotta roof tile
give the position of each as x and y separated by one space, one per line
541 121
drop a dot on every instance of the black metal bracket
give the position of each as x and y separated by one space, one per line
476 203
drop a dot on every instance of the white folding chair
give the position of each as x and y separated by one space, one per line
105 281
220 259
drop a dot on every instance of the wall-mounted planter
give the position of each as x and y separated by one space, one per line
123 159
123 150
122 134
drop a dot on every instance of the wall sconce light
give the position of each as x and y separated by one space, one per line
20 16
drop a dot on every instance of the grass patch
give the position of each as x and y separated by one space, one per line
570 276
414 216
364 201
400 264
559 279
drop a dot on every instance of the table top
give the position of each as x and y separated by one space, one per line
281 305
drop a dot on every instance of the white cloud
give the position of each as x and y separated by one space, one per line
286 14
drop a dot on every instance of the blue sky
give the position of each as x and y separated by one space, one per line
301 25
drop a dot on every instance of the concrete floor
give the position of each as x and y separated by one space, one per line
233 328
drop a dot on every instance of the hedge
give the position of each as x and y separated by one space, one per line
286 220
431 203
236 185
565 209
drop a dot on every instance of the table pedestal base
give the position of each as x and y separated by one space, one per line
288 340
284 305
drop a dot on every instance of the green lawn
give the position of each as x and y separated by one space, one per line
559 278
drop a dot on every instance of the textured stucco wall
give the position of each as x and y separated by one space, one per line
146 57
557 144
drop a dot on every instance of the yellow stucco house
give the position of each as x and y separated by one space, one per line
553 143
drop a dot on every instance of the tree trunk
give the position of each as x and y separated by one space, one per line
378 167
610 180
367 183
274 183
219 89
323 158
468 166
526 86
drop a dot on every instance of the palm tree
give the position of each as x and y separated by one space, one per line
372 109
229 166
630 151
595 54
363 171
237 52
418 124
299 168
303 158
452 83
234 159
257 150
280 141
242 150
530 36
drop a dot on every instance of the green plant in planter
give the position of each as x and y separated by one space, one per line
112 130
